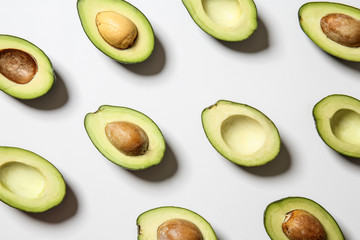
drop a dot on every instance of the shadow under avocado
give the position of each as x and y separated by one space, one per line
65 210
279 165
257 42
353 160
350 64
151 66
55 98
164 170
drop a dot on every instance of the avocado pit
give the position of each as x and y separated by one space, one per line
178 229
342 29
116 29
127 137
17 66
300 224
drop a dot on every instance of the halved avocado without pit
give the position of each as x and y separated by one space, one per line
337 119
334 27
227 20
241 133
29 182
25 71
300 218
125 136
118 29
169 222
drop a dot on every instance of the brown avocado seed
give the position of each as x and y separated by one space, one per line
178 229
341 28
302 225
116 29
127 137
17 65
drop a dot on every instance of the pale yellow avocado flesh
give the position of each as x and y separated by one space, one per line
228 20
29 182
337 119
241 133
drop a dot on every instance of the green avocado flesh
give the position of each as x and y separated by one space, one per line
310 17
275 212
242 134
337 119
227 20
29 182
149 222
95 125
144 42
25 71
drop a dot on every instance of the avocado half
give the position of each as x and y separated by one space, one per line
232 20
337 119
177 220
241 133
276 213
29 182
25 71
140 48
125 122
334 27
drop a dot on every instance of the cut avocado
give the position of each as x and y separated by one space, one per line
282 216
29 182
227 20
118 29
241 133
25 71
173 223
337 119
125 136
334 27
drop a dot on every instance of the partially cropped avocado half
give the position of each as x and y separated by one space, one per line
334 27
295 218
29 182
125 136
118 29
231 20
337 119
25 71
174 223
241 133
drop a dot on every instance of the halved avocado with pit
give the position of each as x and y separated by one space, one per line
230 20
125 136
29 182
118 29
241 133
171 222
300 218
337 119
25 71
334 27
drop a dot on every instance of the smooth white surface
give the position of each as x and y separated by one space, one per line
278 71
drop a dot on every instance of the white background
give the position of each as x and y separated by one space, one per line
278 70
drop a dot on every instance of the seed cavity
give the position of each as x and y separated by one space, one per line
17 65
341 28
178 229
127 137
300 224
116 29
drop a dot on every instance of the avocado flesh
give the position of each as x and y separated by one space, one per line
229 20
96 122
44 78
145 40
240 133
149 221
310 15
275 212
29 182
337 119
